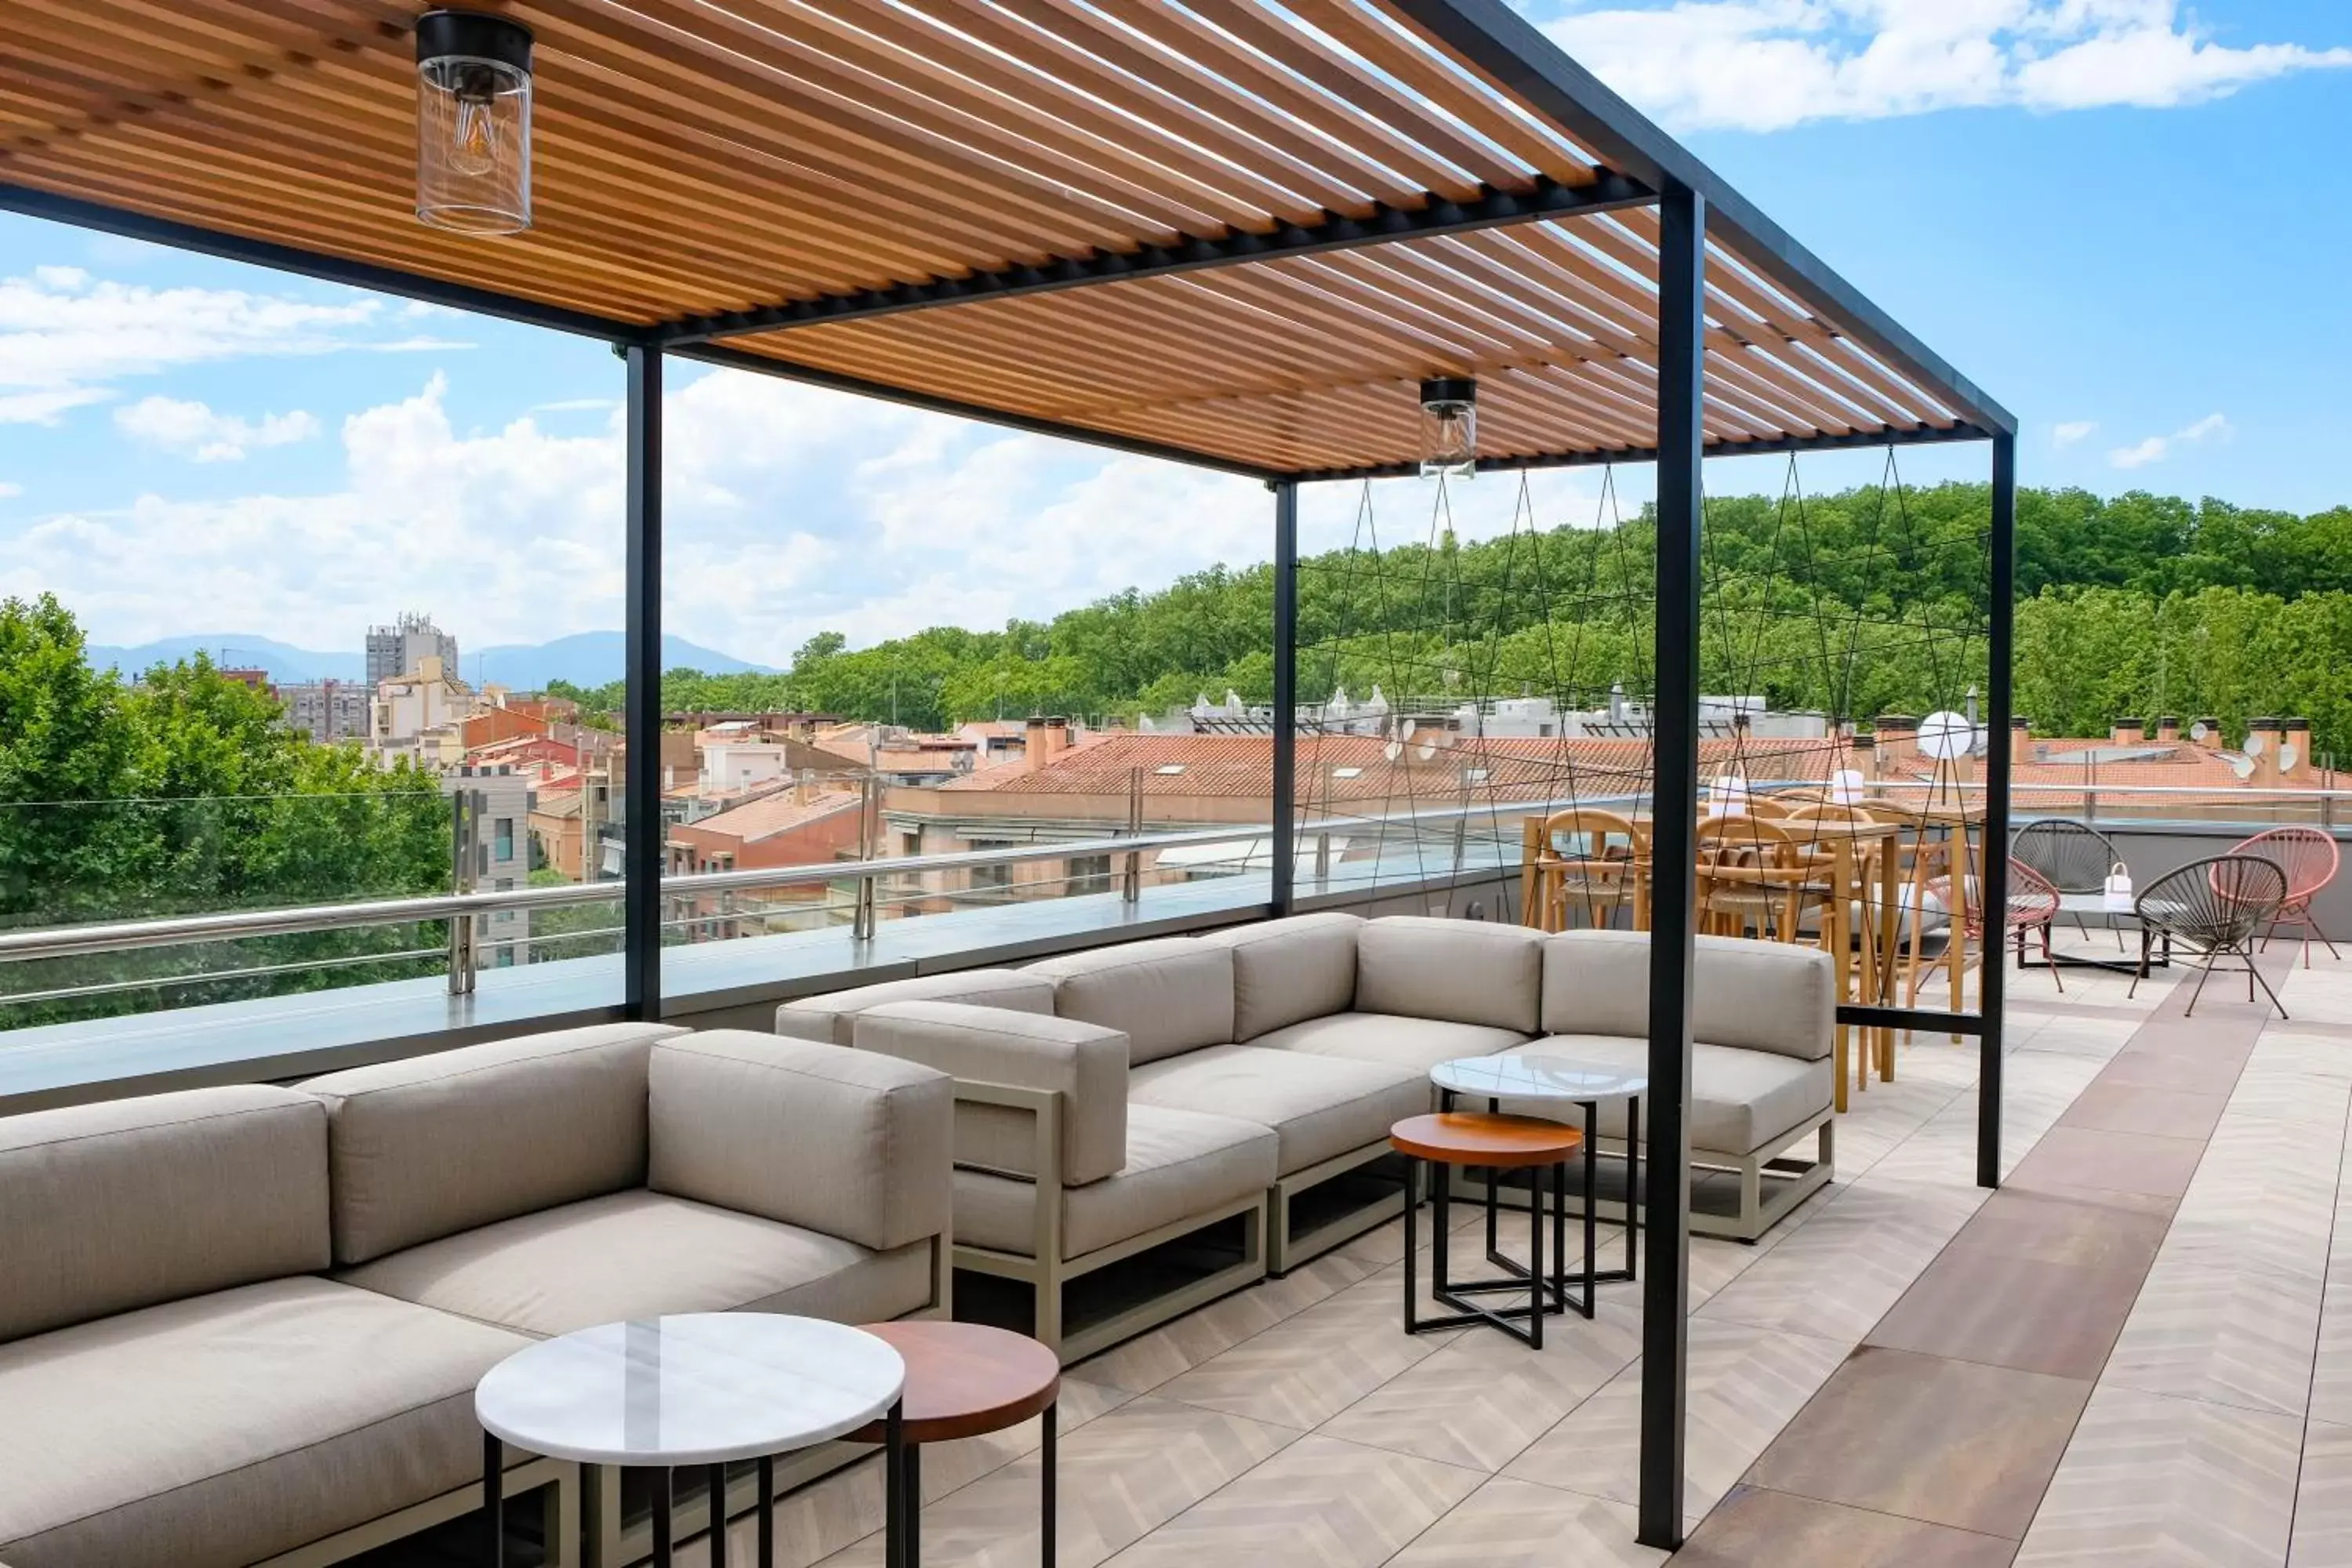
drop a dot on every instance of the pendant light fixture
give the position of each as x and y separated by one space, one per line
473 122
1449 427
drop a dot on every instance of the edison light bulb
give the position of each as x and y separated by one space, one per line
473 122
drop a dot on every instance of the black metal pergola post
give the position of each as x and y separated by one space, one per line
1674 834
2000 617
1283 896
641 797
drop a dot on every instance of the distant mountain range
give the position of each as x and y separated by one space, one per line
584 658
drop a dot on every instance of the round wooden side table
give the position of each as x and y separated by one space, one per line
1494 1143
963 1380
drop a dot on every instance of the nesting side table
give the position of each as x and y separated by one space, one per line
963 1380
700 1388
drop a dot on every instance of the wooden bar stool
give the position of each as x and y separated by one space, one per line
1496 1143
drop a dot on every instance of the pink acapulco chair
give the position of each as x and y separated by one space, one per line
2309 858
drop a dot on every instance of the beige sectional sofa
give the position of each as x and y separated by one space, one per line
242 1325
1116 1100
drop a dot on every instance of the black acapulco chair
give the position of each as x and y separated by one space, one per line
2215 908
2072 856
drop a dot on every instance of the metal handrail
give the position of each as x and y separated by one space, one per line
68 941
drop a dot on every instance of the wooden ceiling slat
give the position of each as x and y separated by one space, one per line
1370 93
1347 126
698 158
639 106
1556 157
1148 179
1170 85
1109 107
826 131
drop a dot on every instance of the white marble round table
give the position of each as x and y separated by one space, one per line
701 1388
1523 1075
1535 1075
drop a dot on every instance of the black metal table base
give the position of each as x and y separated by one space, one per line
899 1519
1591 1275
903 1490
2156 957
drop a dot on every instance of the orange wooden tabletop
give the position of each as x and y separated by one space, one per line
964 1379
1477 1138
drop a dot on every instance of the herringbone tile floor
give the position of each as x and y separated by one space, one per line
1296 1424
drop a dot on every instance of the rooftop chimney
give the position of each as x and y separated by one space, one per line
2295 763
2167 729
1897 738
2129 731
1033 744
2021 740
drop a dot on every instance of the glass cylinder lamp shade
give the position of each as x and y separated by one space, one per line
1449 427
473 122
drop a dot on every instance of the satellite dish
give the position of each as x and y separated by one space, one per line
1945 735
2287 758
2243 767
1393 749
1405 729
1425 751
2198 732
1845 786
2254 744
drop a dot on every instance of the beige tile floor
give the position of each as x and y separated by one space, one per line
1296 1424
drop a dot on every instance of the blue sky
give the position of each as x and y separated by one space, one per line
2128 219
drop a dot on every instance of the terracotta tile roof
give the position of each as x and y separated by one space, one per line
772 815
1358 769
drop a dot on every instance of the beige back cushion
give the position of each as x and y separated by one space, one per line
105 1209
1757 996
1286 972
839 1142
428 1147
833 1018
1465 971
1082 1063
1169 996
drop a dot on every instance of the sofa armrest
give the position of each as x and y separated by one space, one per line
851 1144
1083 1065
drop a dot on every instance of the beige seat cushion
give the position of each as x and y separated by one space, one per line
843 1142
1166 996
1741 1100
1318 1106
1178 1165
438 1144
639 1254
1764 995
1416 1044
227 1428
1470 971
105 1209
1288 970
833 1018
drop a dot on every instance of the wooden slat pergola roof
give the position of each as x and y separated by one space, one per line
1235 232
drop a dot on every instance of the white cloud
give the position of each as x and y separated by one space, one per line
66 339
2156 448
789 511
9 491
193 430
1766 64
2073 432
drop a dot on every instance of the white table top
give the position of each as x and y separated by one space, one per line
1517 1075
702 1388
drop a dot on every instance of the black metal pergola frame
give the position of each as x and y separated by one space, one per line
1644 167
